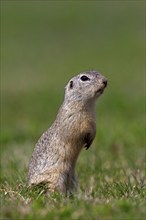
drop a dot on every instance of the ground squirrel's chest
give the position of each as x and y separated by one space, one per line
78 129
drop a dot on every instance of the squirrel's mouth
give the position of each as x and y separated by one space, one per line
100 90
102 87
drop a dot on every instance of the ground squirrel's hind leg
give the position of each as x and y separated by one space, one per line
88 139
71 185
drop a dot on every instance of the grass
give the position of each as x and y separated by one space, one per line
43 44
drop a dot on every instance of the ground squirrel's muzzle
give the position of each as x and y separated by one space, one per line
104 82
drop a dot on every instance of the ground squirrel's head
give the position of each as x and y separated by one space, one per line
85 86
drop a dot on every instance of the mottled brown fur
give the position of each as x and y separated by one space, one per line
54 157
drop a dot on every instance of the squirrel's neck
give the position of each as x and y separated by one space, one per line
78 105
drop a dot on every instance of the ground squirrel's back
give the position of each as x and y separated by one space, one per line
54 157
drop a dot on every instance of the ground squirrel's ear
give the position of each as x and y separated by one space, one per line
71 84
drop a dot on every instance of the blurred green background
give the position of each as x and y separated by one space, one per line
44 44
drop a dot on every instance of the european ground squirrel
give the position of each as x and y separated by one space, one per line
55 154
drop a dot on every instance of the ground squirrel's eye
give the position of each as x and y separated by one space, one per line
84 78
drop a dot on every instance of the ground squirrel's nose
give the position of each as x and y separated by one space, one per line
104 82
